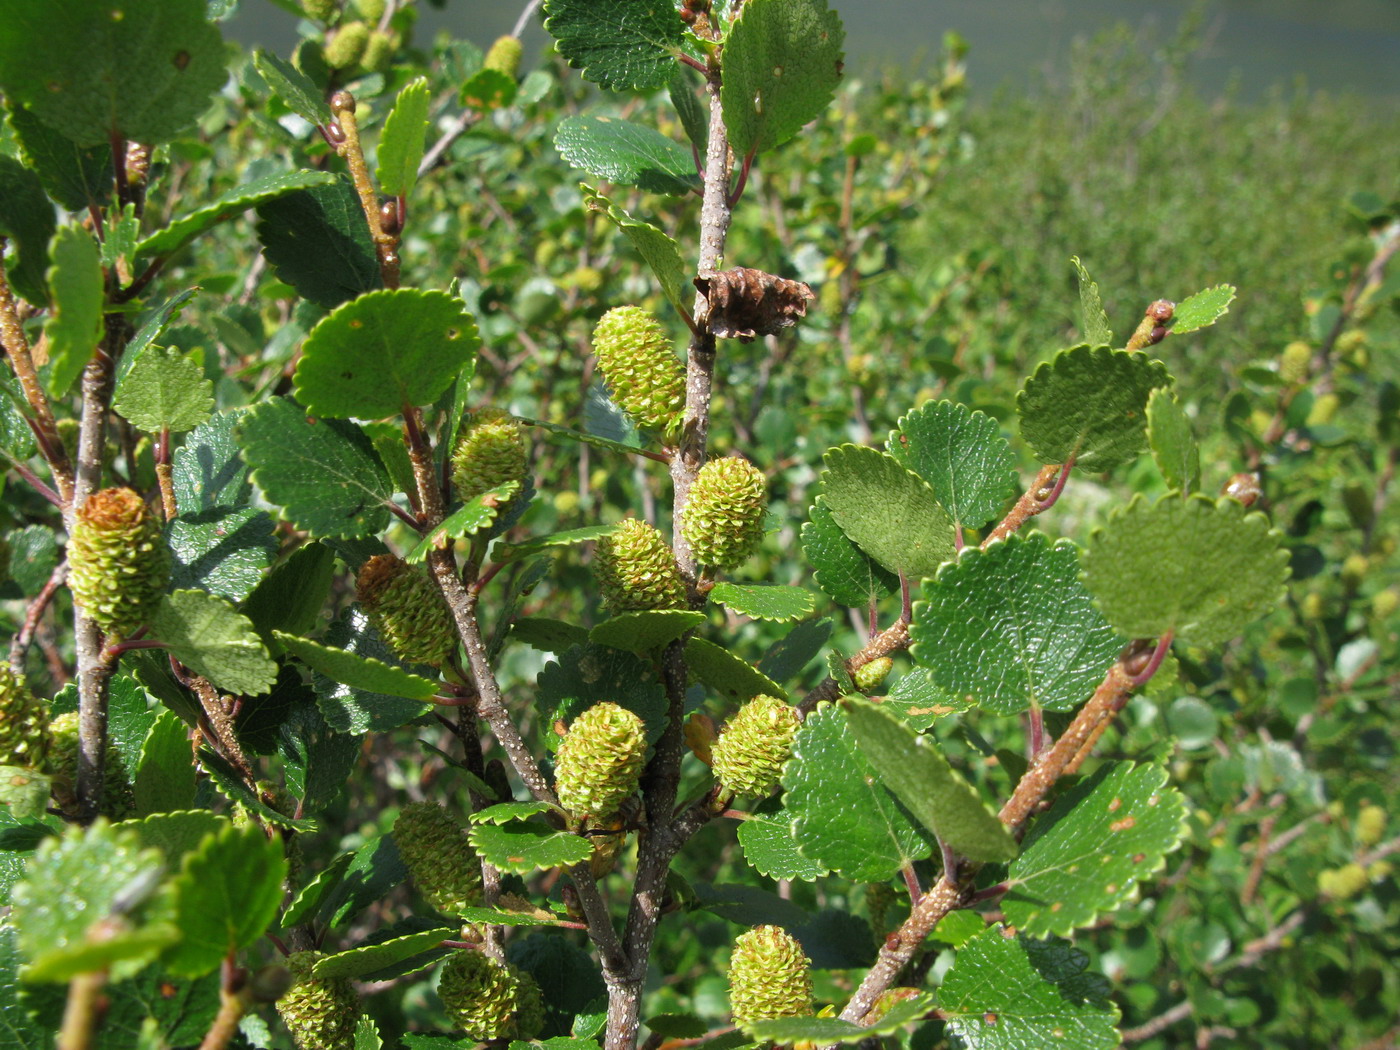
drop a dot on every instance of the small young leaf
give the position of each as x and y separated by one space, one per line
26 216
75 326
1201 569
641 632
765 601
207 470
1173 447
213 639
524 846
401 144
323 473
1089 403
826 1030
727 674
912 767
73 887
226 896
357 672
383 351
1010 993
844 818
842 570
627 154
164 389
77 177
294 88
476 515
618 44
1094 321
771 849
375 870
1012 627
962 456
886 510
365 708
165 774
658 251
356 962
102 73
782 62
318 241
1087 855
1202 309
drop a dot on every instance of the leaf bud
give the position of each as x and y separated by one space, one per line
321 1013
1344 882
389 217
407 609
769 977
24 723
118 564
600 761
1244 487
1294 363
724 517
345 50
490 451
748 757
643 374
62 767
504 56
490 1000
869 677
636 569
379 52
440 860
1370 825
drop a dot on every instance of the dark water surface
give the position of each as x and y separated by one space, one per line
1343 46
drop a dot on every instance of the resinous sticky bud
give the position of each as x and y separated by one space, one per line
748 757
118 564
600 761
724 516
490 1000
769 977
636 569
440 860
643 374
407 609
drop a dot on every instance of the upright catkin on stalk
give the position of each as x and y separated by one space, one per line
118 563
407 610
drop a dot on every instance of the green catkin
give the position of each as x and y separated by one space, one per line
504 56
490 1000
440 860
62 767
347 45
24 723
748 757
769 977
643 374
321 1013
600 761
490 451
407 609
724 516
118 563
636 569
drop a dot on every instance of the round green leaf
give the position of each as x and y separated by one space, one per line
383 351
164 389
1087 855
963 457
1090 404
765 601
103 71
842 570
1012 627
212 638
618 44
1201 569
771 849
782 62
844 818
627 154
1173 447
523 846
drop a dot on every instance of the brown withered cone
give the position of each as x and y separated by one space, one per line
746 303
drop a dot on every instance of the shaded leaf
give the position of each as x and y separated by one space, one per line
318 241
590 674
294 88
77 177
790 655
223 551
643 631
1173 447
26 216
842 570
727 674
231 785
313 895
229 205
290 597
369 706
207 470
618 44
546 635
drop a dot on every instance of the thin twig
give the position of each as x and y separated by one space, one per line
19 645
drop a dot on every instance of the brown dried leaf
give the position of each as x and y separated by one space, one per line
745 303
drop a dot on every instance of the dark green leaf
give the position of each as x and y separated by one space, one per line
294 88
226 896
33 557
207 470
1089 403
112 72
782 62
727 674
765 601
319 761
579 436
1010 993
590 674
314 894
886 510
790 655
290 597
641 632
911 766
962 456
357 672
165 772
383 351
224 551
75 326
843 817
618 44
212 638
694 114
26 216
19 1030
749 905
357 962
385 695
324 473
657 250
1012 627
566 973
231 785
1088 854
375 870
524 846
546 635
1201 569
771 849
77 177
318 241
401 144
834 1030
627 154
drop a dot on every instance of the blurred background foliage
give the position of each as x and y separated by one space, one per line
936 226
